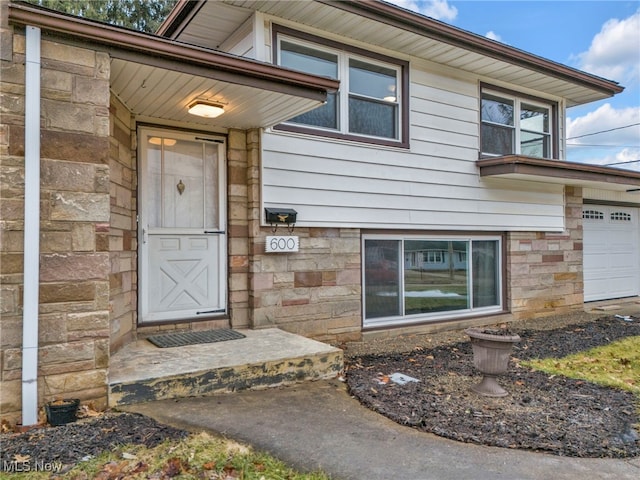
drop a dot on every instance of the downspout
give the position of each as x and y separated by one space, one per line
31 228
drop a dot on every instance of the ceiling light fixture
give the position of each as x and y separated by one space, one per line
206 109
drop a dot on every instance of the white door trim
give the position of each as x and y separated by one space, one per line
208 273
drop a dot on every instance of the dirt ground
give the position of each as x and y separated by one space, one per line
542 412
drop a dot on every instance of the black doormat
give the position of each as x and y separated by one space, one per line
181 339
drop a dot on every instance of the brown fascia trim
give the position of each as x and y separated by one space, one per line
398 17
154 46
524 165
183 11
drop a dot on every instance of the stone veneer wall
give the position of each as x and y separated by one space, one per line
315 292
238 224
544 270
122 240
74 261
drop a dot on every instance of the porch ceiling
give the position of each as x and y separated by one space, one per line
158 78
155 93
398 30
516 167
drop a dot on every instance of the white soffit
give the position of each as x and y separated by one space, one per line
153 92
594 184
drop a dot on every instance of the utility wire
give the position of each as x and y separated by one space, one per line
604 131
601 145
622 163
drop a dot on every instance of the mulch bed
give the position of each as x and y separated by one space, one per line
542 412
69 444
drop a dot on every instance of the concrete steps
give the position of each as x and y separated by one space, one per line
141 372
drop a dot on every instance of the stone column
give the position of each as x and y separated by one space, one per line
75 216
545 273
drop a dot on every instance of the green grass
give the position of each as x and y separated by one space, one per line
614 365
199 456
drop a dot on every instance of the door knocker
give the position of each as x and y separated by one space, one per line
180 187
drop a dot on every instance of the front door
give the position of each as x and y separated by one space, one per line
182 241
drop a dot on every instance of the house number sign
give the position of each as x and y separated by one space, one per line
278 244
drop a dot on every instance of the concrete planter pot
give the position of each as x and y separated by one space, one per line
491 353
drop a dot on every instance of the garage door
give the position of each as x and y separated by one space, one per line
611 252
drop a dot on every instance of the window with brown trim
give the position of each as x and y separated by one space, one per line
372 103
516 125
414 278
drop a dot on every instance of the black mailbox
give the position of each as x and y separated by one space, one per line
280 215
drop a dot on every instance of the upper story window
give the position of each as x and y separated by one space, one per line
516 126
371 105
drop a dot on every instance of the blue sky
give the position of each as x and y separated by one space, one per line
600 37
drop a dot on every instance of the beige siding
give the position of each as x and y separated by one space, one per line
435 184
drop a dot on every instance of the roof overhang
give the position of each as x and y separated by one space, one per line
518 167
398 30
157 78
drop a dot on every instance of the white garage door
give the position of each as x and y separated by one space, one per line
611 252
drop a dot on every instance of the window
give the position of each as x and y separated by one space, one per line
620 217
371 105
439 278
512 125
592 215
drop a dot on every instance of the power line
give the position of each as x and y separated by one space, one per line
622 163
604 131
601 145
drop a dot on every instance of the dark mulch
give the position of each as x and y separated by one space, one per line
542 412
69 444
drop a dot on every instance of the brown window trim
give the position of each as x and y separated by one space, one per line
555 131
504 272
403 141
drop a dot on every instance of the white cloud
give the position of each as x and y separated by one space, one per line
621 141
493 36
438 9
615 51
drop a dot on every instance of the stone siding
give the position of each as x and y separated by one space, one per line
240 146
122 240
315 292
544 270
74 202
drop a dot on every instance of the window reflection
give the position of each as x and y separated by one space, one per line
435 276
382 278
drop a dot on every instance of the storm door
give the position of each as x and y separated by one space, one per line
182 241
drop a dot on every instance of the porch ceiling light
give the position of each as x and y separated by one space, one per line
206 109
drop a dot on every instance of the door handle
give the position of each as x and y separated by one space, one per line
218 232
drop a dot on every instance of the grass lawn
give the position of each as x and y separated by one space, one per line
615 365
200 456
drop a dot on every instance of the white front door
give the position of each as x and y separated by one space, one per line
182 241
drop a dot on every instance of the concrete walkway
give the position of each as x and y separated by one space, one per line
317 425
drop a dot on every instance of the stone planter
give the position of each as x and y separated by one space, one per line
491 352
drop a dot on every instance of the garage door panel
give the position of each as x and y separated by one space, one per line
611 252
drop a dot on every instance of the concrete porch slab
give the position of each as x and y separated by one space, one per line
142 372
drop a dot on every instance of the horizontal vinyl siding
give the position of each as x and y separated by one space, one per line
433 185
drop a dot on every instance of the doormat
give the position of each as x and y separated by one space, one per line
167 340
